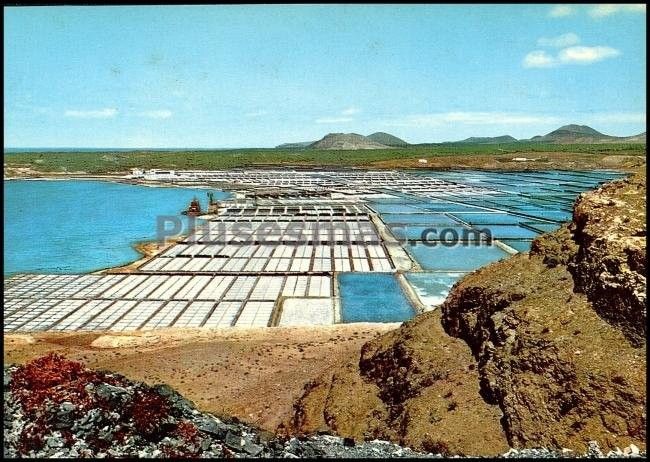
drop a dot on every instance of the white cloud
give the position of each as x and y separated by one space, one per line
597 11
619 117
539 58
346 115
471 118
157 114
561 41
600 11
559 11
105 113
586 55
334 120
350 111
569 55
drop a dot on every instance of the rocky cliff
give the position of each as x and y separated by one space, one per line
543 349
610 264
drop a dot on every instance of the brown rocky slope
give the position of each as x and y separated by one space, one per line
541 350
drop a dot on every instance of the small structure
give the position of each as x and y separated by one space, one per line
213 205
194 209
156 175
137 173
423 161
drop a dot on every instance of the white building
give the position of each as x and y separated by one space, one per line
155 175
136 173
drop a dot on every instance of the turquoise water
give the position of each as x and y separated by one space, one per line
449 207
432 288
554 215
489 218
73 226
541 200
81 226
461 257
395 208
508 232
433 232
543 227
372 297
519 245
419 218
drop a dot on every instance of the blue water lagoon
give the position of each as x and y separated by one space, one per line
77 226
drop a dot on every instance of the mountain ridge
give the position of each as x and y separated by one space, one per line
346 141
489 139
572 133
566 134
387 139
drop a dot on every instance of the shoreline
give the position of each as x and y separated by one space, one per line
147 249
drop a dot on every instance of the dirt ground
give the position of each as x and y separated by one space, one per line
252 374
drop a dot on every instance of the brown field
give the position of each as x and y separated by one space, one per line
252 374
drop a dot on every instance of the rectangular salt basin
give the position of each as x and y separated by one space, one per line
434 232
460 257
520 246
448 207
423 218
395 208
507 232
490 218
543 227
432 288
307 312
554 215
372 297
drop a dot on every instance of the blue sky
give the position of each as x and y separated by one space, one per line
257 76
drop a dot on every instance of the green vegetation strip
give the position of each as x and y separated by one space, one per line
123 161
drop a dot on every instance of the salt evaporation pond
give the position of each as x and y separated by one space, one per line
373 297
521 206
77 226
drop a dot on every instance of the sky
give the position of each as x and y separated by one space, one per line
258 76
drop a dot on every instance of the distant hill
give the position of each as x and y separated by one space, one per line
577 134
347 141
387 139
489 139
568 134
299 145
640 138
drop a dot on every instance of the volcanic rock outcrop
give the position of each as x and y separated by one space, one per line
57 408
